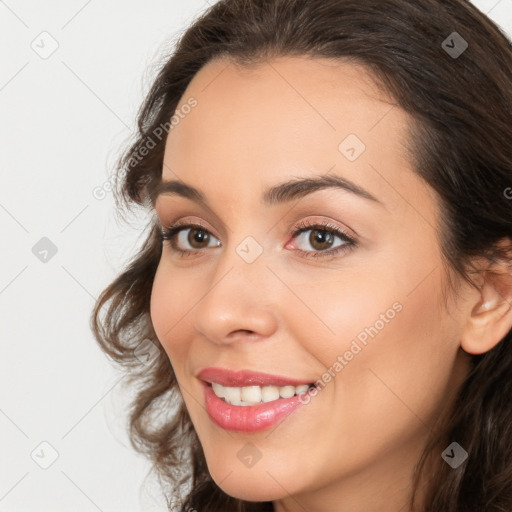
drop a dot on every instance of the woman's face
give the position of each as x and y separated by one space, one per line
365 320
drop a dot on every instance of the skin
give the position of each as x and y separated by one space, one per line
354 446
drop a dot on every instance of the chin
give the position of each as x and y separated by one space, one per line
253 491
249 484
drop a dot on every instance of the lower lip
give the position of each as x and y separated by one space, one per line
248 418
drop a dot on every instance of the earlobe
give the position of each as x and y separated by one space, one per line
491 317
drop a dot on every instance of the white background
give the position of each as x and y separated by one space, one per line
64 120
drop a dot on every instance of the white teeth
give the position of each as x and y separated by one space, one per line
269 393
287 391
219 390
252 395
231 395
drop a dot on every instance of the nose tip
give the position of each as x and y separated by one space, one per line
235 309
223 323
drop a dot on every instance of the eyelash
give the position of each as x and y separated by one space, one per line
170 232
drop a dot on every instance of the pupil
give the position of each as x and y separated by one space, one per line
319 237
197 236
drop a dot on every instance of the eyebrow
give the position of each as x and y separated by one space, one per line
284 192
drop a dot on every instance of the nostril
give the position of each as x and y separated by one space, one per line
244 332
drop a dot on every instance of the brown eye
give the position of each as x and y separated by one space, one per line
324 239
320 239
198 236
189 238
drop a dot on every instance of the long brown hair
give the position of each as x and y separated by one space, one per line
462 147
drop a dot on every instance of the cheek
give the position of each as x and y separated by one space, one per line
401 361
168 308
383 312
342 315
388 347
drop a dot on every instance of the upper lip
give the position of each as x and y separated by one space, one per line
241 378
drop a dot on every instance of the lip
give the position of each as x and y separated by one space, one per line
250 418
241 378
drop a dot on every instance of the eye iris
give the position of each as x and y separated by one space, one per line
320 236
197 236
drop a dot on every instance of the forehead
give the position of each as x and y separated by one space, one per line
284 103
289 116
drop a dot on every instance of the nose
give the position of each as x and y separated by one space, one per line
240 302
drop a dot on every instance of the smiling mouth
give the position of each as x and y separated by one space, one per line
255 395
251 401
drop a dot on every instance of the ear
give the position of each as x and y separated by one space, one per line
491 317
